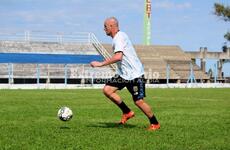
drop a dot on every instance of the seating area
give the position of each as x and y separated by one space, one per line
160 62
55 71
49 72
156 58
46 47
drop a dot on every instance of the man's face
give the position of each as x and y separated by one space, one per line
108 28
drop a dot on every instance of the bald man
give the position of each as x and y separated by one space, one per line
129 74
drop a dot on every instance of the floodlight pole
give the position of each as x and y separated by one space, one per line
147 22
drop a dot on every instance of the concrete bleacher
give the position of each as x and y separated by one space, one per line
50 71
156 58
46 47
183 68
56 71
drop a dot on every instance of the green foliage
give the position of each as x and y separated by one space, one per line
227 36
190 119
223 12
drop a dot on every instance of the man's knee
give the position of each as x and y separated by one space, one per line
139 102
107 91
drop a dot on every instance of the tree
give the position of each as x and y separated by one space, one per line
223 12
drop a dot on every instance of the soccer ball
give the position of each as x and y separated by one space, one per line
65 113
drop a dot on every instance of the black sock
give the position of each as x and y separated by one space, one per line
153 120
125 109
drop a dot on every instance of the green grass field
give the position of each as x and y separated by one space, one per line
191 119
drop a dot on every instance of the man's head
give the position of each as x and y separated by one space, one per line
111 26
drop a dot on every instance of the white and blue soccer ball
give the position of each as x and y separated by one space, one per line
65 113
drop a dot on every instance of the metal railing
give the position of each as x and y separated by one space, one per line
13 72
101 49
40 36
57 37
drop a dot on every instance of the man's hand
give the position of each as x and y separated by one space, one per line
96 64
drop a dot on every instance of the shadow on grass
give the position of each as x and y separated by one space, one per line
64 128
111 125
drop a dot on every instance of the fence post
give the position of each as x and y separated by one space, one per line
27 36
168 73
191 78
89 38
92 77
65 66
215 74
10 73
38 73
48 74
60 38
8 67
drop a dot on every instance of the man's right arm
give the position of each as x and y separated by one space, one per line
116 57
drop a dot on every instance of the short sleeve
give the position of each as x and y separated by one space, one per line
118 44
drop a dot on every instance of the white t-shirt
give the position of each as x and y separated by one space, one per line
130 66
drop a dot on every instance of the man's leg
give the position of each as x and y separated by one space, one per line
110 92
146 109
137 88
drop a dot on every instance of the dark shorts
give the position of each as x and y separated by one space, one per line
136 86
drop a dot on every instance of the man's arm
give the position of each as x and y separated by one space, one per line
116 57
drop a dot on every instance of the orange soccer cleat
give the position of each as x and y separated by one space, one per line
126 117
153 127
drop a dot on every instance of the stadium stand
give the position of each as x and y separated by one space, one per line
156 59
23 61
41 59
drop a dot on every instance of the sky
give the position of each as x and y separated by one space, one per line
189 24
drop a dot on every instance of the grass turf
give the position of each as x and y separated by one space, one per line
190 119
